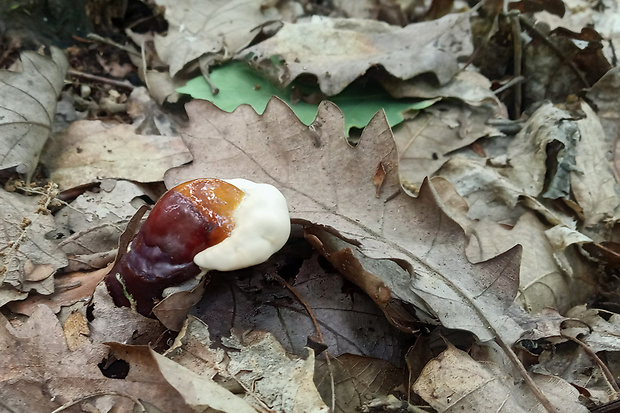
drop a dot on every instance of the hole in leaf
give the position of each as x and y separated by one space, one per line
114 368
89 313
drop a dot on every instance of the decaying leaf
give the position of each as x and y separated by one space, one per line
550 132
566 244
553 157
220 28
268 373
593 183
426 142
600 334
574 61
542 282
173 309
198 390
358 380
89 151
488 194
89 227
338 51
603 94
455 382
29 259
254 364
76 330
120 324
38 372
349 321
27 107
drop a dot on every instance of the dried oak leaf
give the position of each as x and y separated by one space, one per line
27 107
28 258
329 187
338 51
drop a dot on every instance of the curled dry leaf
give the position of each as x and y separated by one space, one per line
553 157
338 51
468 86
27 107
221 28
329 184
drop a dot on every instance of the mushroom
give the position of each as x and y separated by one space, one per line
200 225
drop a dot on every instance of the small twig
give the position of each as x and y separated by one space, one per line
88 230
609 377
94 36
144 68
140 21
90 396
100 79
509 84
318 332
214 89
542 398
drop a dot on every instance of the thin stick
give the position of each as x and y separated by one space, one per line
100 79
318 332
90 396
94 36
509 84
517 61
542 398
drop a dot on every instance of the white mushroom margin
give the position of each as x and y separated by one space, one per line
262 227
